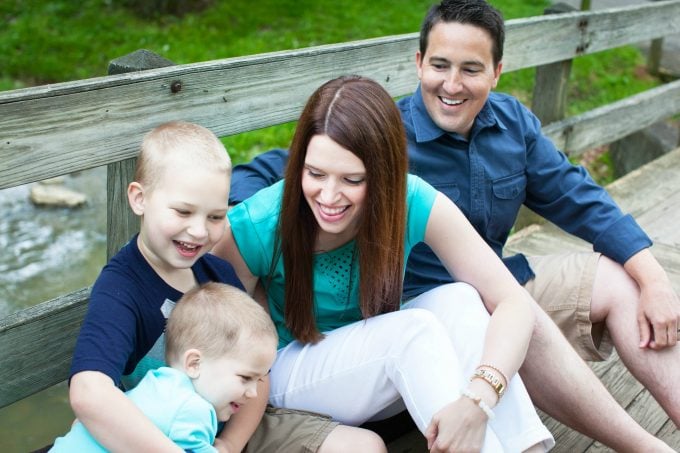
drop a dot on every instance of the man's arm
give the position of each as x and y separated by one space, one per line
659 308
112 418
261 172
241 426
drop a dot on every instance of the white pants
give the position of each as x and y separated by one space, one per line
420 358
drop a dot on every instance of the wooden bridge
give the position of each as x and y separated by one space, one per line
58 129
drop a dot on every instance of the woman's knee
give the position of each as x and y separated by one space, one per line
453 303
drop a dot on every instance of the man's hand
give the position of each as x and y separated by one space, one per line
458 426
658 316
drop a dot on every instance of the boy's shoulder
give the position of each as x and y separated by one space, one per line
211 268
127 269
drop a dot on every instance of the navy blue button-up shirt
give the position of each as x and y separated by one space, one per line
506 162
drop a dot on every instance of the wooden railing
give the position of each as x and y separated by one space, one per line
58 129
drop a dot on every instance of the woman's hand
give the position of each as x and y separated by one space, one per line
459 426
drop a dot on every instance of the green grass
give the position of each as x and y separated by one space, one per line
61 40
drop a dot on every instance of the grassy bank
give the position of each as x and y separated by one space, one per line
60 40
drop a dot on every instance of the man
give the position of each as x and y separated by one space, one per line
486 152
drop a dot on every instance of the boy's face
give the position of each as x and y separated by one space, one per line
456 75
229 382
183 216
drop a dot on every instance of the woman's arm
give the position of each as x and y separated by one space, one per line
227 249
469 259
112 418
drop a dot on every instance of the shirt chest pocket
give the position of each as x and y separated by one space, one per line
508 196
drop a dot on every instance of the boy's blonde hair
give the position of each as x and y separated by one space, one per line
182 142
213 318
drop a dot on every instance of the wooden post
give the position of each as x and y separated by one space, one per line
654 56
549 104
121 223
550 88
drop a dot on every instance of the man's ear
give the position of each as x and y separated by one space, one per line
497 74
135 194
419 64
191 362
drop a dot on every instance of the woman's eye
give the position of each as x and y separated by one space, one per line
354 182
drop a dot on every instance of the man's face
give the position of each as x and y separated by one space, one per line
456 75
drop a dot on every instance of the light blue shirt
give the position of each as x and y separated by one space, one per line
167 397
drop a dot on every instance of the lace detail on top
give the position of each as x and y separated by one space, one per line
337 268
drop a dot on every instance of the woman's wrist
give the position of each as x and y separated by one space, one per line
467 393
484 391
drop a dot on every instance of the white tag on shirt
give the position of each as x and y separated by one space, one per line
167 307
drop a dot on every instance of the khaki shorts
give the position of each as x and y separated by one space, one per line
287 431
563 288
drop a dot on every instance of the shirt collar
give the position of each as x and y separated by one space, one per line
427 130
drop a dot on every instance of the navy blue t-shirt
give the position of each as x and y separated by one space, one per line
128 309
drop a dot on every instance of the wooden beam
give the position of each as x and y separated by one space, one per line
37 344
107 116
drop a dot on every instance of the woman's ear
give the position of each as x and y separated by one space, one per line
191 362
135 194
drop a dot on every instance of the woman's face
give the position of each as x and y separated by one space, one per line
334 185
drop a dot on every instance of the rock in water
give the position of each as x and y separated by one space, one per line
56 195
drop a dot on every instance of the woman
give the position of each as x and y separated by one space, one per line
329 244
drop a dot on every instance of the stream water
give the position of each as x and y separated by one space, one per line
47 252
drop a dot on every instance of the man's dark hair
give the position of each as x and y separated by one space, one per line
471 12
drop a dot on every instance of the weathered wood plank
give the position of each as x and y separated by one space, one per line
107 116
670 434
36 345
616 120
584 32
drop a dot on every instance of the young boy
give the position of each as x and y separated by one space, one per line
180 192
206 380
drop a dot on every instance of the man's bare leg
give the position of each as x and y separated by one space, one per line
351 439
563 386
615 302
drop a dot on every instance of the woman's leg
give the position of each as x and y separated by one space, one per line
461 312
359 370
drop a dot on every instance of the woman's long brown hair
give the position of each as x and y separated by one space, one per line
359 115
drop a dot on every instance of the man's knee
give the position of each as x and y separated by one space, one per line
349 438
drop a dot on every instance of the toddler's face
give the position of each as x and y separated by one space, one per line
184 216
229 382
